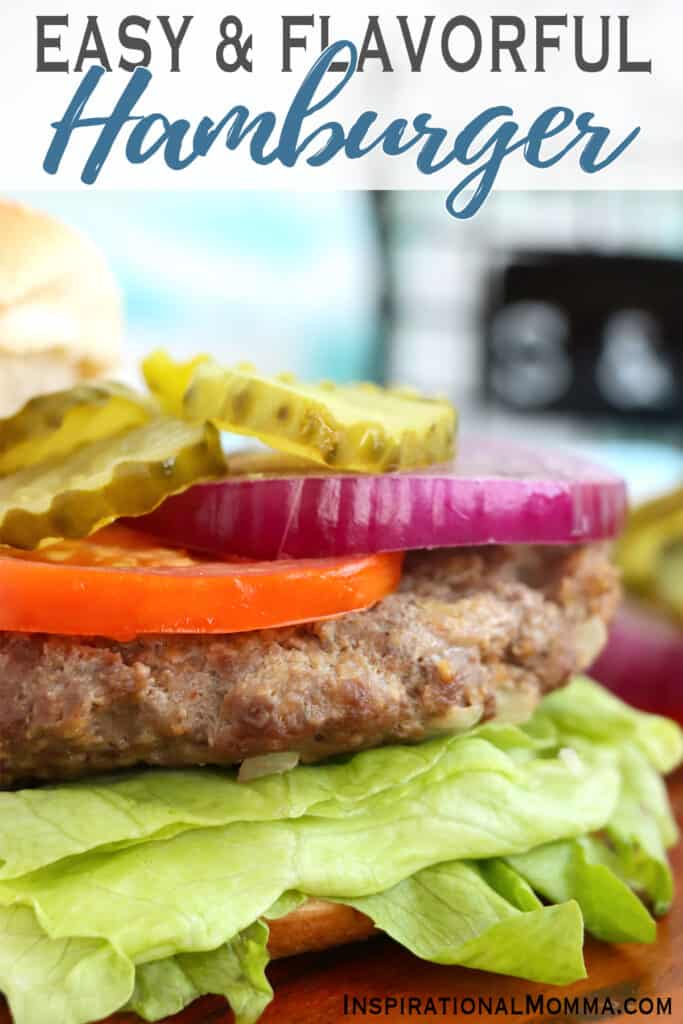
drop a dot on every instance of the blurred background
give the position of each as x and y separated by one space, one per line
555 315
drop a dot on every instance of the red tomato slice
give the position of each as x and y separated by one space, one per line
118 584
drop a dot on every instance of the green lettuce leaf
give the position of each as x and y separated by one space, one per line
603 876
583 870
235 970
642 828
65 981
509 884
74 981
585 710
39 827
449 914
148 888
197 890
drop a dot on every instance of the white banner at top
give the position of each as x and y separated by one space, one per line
458 98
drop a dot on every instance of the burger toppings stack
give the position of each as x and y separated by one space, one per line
270 701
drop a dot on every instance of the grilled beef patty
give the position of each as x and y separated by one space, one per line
470 634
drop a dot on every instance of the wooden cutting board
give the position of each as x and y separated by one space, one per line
311 989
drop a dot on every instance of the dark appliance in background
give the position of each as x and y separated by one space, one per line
587 334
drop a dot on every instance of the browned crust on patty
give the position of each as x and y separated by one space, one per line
466 629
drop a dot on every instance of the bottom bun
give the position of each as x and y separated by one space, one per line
317 925
23 377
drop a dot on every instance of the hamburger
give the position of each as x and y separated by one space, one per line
60 310
269 703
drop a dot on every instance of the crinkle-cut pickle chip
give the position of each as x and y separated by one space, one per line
168 381
358 427
54 425
126 475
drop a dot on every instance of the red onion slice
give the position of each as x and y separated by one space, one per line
643 662
492 493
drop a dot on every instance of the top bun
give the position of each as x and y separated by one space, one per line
60 309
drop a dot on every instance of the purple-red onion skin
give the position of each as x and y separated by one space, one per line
493 493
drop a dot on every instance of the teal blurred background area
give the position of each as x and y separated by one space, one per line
285 280
386 286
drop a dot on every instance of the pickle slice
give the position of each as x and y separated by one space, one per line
359 427
670 577
168 380
650 529
125 475
263 462
56 424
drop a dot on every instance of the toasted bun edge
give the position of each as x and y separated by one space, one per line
317 925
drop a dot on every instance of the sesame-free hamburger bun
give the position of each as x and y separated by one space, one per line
60 310
317 925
